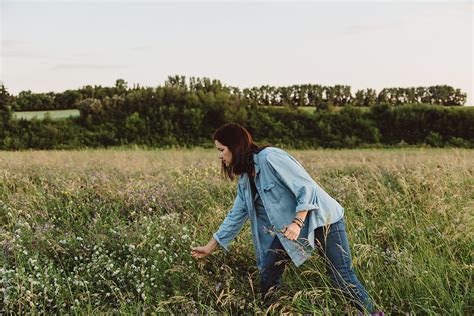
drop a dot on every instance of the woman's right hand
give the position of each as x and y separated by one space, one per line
200 252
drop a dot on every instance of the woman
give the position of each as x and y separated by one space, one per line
290 214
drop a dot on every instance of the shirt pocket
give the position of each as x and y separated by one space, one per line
271 190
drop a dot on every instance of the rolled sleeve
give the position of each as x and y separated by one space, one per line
305 207
233 222
292 174
220 242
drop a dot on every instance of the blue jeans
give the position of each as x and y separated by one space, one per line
333 246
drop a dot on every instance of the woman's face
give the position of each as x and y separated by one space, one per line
224 153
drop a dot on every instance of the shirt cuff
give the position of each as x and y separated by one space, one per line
220 242
306 207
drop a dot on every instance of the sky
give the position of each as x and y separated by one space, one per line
59 45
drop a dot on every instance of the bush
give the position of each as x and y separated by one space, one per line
434 139
143 118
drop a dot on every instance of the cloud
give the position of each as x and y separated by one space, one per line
142 48
23 54
364 28
87 66
20 49
13 43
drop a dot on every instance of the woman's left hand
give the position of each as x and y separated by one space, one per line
292 231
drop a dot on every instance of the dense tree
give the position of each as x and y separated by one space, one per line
67 99
5 101
186 112
320 97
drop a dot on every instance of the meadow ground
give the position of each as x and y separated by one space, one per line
98 231
54 114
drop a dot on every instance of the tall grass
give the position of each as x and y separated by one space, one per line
105 230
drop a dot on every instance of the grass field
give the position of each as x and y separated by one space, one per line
101 231
55 115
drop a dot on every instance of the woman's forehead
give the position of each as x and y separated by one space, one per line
218 144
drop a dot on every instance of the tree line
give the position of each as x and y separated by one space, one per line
314 95
186 116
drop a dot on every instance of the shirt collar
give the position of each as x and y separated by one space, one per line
256 163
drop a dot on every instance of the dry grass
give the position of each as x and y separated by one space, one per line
110 230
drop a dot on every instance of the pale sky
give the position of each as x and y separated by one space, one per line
54 46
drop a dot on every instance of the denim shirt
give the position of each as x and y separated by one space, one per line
285 188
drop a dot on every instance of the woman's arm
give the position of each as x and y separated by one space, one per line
233 222
302 215
229 228
293 230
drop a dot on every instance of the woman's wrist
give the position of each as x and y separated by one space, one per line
297 224
298 221
212 244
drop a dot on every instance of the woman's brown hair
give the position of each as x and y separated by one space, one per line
240 143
